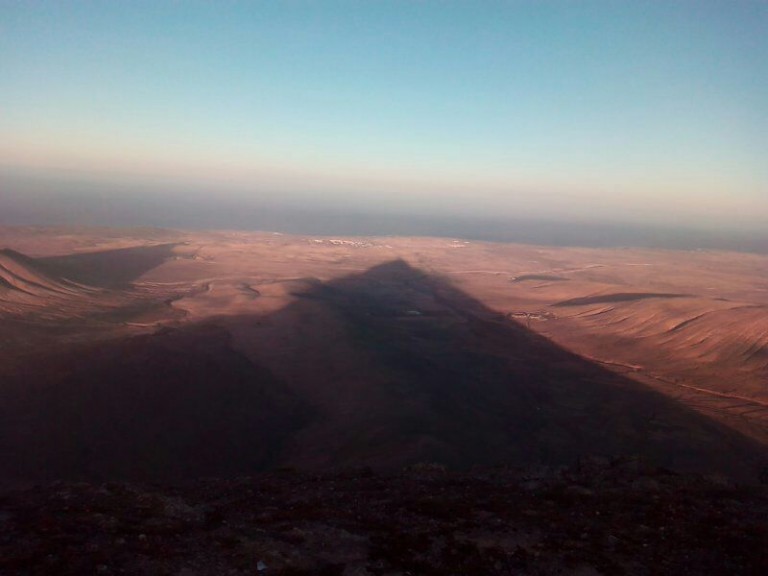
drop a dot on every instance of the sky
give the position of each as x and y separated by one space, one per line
638 112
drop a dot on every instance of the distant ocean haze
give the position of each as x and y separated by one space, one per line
39 202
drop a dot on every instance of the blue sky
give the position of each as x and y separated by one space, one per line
636 111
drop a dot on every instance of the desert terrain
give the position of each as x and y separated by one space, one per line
151 354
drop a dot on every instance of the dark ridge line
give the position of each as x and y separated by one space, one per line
542 277
617 297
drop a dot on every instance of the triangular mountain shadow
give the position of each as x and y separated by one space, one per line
385 368
115 268
444 378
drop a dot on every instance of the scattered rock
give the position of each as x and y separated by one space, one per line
598 517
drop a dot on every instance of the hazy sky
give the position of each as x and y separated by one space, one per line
639 111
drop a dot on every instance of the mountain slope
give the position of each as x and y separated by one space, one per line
21 274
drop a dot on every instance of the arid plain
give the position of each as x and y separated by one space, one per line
156 354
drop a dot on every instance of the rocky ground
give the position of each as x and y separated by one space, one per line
597 517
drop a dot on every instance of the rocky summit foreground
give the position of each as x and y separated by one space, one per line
597 517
